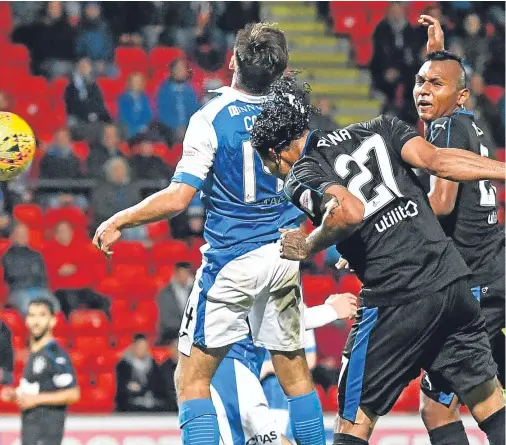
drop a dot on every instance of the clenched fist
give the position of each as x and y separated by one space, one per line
293 245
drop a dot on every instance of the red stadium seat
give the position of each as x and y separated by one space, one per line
363 53
130 274
111 88
171 251
29 214
162 56
137 322
494 93
160 354
104 360
107 382
316 288
130 60
16 56
409 399
38 113
132 252
349 283
89 322
5 18
61 327
143 288
159 231
500 154
57 89
353 24
111 287
32 87
148 308
78 359
18 342
163 274
74 215
4 245
330 403
174 155
81 150
91 344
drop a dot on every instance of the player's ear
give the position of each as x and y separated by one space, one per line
52 322
463 96
231 64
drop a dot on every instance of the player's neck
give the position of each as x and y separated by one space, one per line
37 345
241 89
294 152
426 124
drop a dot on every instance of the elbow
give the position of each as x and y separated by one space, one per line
354 212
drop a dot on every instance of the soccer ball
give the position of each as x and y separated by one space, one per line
17 146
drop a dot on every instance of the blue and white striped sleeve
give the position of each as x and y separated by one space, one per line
199 148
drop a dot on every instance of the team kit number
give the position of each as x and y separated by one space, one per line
487 191
249 176
383 193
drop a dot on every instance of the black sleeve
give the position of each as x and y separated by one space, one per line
395 132
447 132
6 354
64 374
305 186
122 379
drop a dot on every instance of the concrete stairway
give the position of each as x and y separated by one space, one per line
324 61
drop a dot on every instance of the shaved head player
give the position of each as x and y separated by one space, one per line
467 213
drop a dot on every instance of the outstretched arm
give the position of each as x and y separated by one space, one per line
451 163
166 203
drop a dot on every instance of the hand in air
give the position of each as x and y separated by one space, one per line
106 235
435 35
345 305
293 245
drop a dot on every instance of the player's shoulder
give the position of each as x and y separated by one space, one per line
57 353
445 126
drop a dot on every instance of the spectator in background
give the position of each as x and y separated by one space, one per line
167 370
24 271
172 302
6 355
100 152
323 121
134 109
146 165
5 217
176 100
94 40
59 162
190 223
5 101
474 43
115 194
486 113
139 380
393 63
68 271
235 16
84 103
54 46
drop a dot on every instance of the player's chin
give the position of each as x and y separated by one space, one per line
425 115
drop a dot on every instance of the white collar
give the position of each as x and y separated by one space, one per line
238 95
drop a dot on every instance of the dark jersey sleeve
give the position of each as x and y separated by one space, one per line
447 132
395 132
305 187
64 376
6 354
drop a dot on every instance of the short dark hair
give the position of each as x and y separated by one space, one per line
138 337
284 117
261 56
447 55
46 302
183 265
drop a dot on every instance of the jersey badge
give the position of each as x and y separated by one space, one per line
306 202
39 364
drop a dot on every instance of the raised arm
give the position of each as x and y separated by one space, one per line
435 34
343 213
451 163
199 147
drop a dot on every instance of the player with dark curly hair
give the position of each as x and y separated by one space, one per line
417 311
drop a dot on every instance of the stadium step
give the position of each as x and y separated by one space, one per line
302 27
323 59
330 73
291 10
343 120
357 106
329 89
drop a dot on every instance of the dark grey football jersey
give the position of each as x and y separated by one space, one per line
473 223
399 251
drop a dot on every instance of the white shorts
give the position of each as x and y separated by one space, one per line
244 288
243 414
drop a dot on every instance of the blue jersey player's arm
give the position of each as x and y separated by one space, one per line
199 147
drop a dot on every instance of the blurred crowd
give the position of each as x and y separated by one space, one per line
131 144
